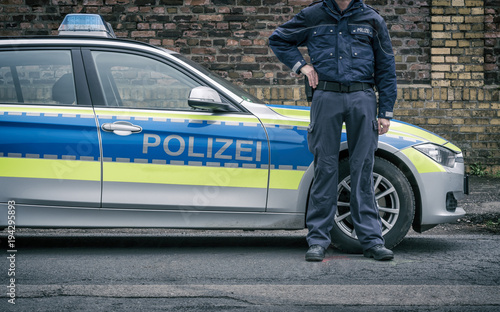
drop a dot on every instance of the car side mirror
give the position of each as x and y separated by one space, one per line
208 99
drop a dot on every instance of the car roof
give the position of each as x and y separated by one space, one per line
79 41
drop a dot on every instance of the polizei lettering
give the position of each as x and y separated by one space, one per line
203 147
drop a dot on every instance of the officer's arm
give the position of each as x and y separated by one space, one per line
286 39
385 71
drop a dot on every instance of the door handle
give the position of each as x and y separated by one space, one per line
121 128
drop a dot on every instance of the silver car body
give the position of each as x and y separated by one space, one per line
260 180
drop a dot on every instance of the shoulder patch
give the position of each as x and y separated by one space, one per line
373 9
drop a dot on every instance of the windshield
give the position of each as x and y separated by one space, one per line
225 83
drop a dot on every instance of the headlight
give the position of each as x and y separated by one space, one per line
440 154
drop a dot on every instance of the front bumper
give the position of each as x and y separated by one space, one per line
439 194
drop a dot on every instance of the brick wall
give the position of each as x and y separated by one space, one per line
463 108
447 52
409 25
492 42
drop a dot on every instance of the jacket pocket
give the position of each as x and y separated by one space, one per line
362 41
363 61
321 47
323 37
360 51
321 55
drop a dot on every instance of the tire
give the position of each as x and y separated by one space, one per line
396 206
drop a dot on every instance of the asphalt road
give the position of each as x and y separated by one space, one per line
453 267
174 270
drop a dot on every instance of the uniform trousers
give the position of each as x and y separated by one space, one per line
329 110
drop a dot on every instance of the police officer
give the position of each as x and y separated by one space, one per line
351 52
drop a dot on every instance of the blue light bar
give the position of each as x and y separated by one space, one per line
85 25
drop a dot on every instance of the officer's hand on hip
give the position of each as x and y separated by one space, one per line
383 125
311 74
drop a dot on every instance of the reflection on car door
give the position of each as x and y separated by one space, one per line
159 153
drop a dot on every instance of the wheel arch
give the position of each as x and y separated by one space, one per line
401 165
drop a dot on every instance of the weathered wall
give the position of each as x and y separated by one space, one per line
447 52
492 41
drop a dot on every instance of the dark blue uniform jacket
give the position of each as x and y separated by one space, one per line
345 47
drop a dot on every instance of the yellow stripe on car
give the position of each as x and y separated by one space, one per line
453 147
285 122
50 169
285 179
400 129
149 173
110 113
200 175
46 109
419 133
294 113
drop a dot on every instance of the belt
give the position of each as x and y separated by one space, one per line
338 87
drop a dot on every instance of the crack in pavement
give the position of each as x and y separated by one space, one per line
259 294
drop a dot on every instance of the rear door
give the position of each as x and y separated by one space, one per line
49 147
161 154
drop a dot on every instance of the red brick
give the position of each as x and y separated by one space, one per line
139 34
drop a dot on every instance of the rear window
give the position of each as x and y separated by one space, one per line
37 77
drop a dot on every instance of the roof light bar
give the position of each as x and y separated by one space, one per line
85 25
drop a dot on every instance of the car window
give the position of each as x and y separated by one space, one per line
37 77
225 83
136 81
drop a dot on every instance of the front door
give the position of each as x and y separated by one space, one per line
158 153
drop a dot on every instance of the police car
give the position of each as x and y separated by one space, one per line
102 132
